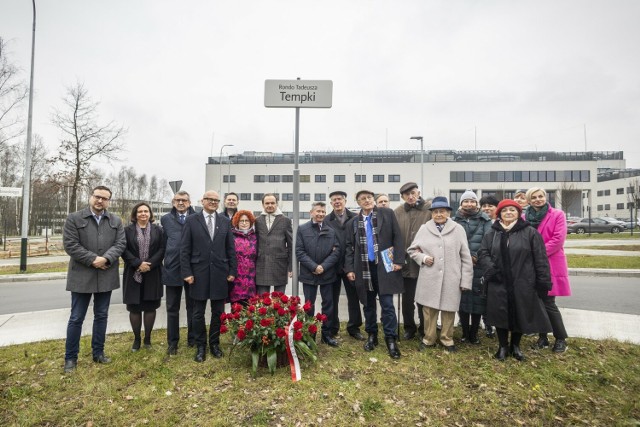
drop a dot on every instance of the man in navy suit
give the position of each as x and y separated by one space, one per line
208 263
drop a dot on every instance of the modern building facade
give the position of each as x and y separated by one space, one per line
570 178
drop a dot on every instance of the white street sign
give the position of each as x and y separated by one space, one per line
10 191
298 93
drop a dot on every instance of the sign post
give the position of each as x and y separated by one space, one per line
297 94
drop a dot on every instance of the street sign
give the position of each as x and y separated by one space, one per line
175 186
11 191
298 93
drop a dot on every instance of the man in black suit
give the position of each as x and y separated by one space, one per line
208 263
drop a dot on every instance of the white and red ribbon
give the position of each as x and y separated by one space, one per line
294 363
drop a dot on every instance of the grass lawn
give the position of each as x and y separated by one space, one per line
594 383
603 261
53 267
605 236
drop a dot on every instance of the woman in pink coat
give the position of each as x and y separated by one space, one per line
552 225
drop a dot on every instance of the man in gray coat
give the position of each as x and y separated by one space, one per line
275 241
94 239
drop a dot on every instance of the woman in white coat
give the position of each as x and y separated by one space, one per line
441 249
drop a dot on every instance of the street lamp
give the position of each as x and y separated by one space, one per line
419 138
221 148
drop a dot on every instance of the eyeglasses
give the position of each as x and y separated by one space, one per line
100 198
210 200
244 220
181 200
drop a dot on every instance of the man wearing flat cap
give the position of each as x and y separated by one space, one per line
411 215
371 236
337 220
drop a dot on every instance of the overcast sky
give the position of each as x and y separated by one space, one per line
187 77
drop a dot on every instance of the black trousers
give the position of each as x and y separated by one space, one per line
173 298
353 306
555 317
408 307
326 292
199 327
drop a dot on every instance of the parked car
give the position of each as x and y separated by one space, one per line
598 225
612 220
573 220
628 223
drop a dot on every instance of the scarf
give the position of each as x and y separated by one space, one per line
418 205
143 235
364 252
467 213
535 217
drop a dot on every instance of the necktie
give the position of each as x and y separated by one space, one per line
181 219
210 226
369 226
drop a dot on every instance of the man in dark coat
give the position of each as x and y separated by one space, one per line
208 263
318 251
337 220
411 215
371 236
94 239
230 205
275 244
172 224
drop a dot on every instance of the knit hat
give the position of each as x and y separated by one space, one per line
468 195
489 200
508 202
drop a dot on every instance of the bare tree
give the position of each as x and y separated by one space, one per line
569 195
633 196
84 139
12 92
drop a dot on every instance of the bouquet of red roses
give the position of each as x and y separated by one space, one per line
268 322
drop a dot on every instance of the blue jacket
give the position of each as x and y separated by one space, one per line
317 247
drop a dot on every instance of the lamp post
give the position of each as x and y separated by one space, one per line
419 138
221 148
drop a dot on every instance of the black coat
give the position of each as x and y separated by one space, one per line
171 274
152 280
388 235
341 233
521 272
317 247
208 261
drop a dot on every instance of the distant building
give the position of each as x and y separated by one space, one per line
572 176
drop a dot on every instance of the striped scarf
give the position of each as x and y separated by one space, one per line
143 235
364 251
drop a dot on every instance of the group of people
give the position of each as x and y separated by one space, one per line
501 260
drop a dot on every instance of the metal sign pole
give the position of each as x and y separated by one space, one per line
296 203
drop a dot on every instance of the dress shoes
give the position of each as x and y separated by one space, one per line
543 342
215 351
172 350
136 345
392 347
502 354
357 336
423 346
560 346
70 365
409 336
490 332
331 342
101 358
201 355
474 340
372 342
450 348
148 346
517 353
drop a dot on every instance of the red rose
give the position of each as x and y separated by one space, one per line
297 336
223 329
275 294
249 325
251 308
297 325
284 299
276 305
280 333
241 334
313 329
236 315
281 311
236 307
266 322
307 306
266 301
262 311
293 308
223 317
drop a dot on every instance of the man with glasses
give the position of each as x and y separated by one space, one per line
94 239
173 223
374 237
208 263
275 240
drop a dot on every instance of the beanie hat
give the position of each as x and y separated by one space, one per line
468 195
489 200
508 202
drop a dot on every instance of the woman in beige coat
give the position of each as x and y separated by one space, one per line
441 249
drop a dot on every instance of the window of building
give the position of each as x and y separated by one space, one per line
305 215
321 178
305 197
630 205
481 176
619 190
394 178
259 178
287 197
287 178
607 192
607 206
620 206
599 207
394 197
360 178
378 178
258 196
320 197
599 193
245 196
305 178
225 178
454 198
274 178
630 190
339 178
